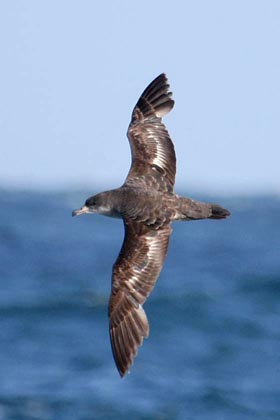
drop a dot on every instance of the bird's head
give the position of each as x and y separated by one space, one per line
98 203
90 206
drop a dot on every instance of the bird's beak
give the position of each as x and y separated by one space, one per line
82 210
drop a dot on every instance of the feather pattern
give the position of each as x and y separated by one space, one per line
151 147
134 275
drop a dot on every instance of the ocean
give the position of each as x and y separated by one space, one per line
214 346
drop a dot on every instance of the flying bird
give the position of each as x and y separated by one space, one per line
148 205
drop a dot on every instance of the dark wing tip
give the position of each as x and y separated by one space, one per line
155 101
128 327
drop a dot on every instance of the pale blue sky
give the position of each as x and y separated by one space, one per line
72 71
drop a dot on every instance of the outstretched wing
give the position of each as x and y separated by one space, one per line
134 275
151 147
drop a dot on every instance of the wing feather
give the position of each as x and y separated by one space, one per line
151 146
134 275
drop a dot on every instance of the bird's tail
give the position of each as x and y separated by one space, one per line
218 212
195 210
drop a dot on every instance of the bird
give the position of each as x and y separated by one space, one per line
147 204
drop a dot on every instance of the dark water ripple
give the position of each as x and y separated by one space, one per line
213 351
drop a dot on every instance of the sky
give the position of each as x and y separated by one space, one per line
71 73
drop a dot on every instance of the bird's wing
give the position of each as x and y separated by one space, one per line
151 147
134 275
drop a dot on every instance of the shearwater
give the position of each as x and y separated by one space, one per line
148 205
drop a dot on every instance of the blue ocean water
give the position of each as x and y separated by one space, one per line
213 351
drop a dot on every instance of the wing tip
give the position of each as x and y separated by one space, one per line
155 101
126 337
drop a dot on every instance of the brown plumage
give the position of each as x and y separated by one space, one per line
147 204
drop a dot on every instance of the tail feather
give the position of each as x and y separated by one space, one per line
195 210
218 212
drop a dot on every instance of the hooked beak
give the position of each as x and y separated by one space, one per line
82 210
